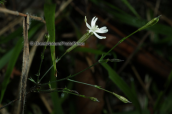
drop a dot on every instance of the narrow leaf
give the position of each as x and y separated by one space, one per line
122 85
55 97
49 12
131 8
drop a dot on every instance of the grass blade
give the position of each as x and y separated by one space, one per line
49 12
15 54
122 85
131 8
55 97
4 60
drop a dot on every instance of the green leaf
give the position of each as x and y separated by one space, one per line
55 97
4 60
131 8
15 54
122 85
49 12
2 2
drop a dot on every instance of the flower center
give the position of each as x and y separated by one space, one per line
94 28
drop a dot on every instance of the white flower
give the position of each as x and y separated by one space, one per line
95 29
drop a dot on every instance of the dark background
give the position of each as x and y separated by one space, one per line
147 56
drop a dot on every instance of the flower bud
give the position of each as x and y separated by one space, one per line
94 99
150 23
123 99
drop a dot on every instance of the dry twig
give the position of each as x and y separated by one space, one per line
62 7
21 14
44 100
23 81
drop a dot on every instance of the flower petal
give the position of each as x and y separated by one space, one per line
88 25
100 37
93 21
102 30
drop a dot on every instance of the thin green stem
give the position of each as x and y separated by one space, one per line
98 87
42 58
45 73
49 91
70 75
56 89
65 90
81 82
117 44
57 60
123 99
84 70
